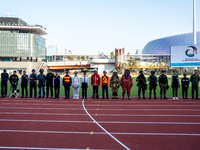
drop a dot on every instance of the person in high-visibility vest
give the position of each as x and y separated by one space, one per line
67 82
105 83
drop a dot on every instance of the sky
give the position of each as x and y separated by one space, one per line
89 26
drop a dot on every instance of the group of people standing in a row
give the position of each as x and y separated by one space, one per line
126 82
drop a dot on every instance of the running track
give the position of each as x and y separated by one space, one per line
99 124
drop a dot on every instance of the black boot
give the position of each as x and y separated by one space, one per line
129 98
123 97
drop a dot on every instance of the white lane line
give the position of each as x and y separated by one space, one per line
106 115
104 129
104 122
98 133
41 148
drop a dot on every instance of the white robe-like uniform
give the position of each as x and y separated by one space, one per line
76 85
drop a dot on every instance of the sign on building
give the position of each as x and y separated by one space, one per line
185 56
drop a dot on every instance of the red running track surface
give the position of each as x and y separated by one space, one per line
64 124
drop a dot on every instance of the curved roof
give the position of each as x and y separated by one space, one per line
162 46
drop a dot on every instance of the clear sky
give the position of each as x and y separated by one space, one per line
89 26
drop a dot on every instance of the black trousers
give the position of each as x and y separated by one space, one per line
174 91
14 87
33 85
3 89
150 91
95 92
184 91
57 91
162 90
24 87
84 91
141 88
49 87
67 91
195 88
105 88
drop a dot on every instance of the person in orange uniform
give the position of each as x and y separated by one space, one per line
67 82
95 82
126 83
105 83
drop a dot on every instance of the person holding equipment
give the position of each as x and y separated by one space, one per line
185 84
152 84
57 85
163 82
24 84
33 83
84 85
141 84
67 82
4 83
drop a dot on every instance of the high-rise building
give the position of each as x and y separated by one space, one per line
51 50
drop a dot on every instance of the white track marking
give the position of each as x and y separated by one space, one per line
103 128
104 122
98 133
106 115
40 148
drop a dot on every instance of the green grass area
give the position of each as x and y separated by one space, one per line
134 90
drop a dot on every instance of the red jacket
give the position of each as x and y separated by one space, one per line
95 80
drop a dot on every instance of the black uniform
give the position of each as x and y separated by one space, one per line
4 82
195 80
175 85
163 82
152 85
49 83
57 84
33 84
14 81
24 84
141 85
185 83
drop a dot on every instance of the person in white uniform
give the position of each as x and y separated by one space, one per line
75 85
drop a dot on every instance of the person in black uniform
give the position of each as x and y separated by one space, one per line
152 84
14 81
175 85
84 85
67 82
57 85
163 82
185 84
141 84
24 84
41 84
4 83
49 83
33 83
195 81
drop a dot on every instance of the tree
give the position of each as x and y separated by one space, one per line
87 57
112 55
132 63
124 65
83 57
72 57
150 64
160 64
78 57
69 58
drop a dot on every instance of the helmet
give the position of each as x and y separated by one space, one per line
41 70
114 71
95 69
163 71
67 71
33 70
152 72
140 71
104 71
14 71
4 70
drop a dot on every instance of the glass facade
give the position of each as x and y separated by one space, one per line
13 43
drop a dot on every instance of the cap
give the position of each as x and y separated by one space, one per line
163 71
195 69
140 71
95 69
75 72
185 74
104 71
14 71
24 70
33 70
174 71
4 70
67 71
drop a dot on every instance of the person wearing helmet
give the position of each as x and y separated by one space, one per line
163 83
84 85
126 82
41 84
105 83
33 83
4 83
152 84
49 83
24 84
14 81
185 84
141 84
114 84
95 82
75 85
67 82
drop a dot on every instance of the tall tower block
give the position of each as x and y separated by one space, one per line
119 58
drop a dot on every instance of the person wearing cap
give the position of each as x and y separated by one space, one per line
24 84
14 81
105 83
126 82
33 83
75 85
194 78
41 84
67 82
141 84
185 84
4 83
57 85
95 82
175 85
114 84
84 85
152 84
49 83
163 83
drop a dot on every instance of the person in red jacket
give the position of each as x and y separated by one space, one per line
126 83
95 82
